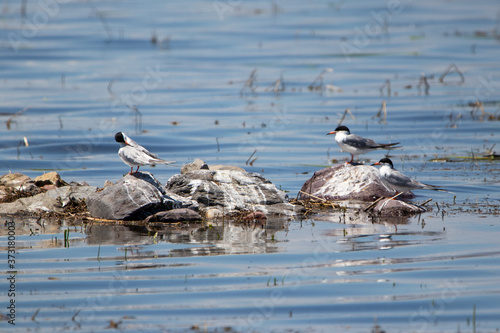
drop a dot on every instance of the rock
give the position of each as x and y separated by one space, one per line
11 183
255 216
68 193
175 215
15 180
395 208
346 182
50 201
134 197
213 213
51 178
197 164
229 190
108 183
225 167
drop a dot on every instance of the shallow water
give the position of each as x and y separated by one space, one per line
77 72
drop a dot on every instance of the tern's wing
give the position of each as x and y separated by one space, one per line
360 142
401 180
140 148
365 143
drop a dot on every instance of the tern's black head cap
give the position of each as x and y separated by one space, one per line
119 137
385 160
342 129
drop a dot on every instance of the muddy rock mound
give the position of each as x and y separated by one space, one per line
345 182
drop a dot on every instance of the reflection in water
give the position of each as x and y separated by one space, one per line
212 238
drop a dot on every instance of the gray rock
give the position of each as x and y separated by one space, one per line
175 215
134 197
50 201
230 190
346 182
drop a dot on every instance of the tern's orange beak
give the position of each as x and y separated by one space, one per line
332 132
376 163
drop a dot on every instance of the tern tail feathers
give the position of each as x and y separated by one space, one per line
388 145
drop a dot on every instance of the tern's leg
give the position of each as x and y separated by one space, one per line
131 169
136 171
352 158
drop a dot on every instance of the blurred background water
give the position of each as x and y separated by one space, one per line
177 78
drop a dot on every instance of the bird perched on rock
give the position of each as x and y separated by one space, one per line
357 145
396 180
134 154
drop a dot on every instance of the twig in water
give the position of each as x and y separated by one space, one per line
23 8
249 83
18 113
384 109
278 85
315 197
373 204
101 18
449 70
478 105
35 314
218 148
423 81
76 314
317 84
426 202
248 160
387 84
138 118
343 116
110 85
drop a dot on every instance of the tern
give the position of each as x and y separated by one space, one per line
355 144
396 180
134 154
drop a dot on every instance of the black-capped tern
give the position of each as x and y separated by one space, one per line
133 154
396 180
357 145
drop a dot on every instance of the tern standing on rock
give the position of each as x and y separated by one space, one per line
357 145
400 182
134 154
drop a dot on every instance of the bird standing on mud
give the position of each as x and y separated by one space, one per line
357 145
133 154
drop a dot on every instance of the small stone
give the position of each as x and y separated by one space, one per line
49 187
197 164
258 215
396 208
51 178
108 183
213 213
175 215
